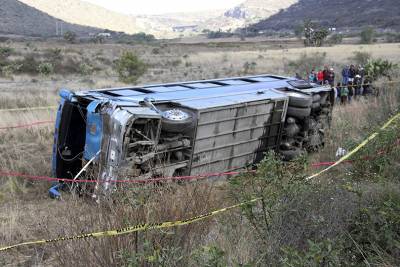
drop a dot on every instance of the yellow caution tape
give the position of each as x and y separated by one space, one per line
355 150
28 108
131 229
149 226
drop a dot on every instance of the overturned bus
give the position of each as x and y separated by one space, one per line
187 128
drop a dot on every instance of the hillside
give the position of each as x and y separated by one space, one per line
84 13
336 13
20 19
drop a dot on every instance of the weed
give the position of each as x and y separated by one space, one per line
129 67
45 68
360 58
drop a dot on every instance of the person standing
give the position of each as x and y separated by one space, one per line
326 74
345 74
331 77
312 77
320 77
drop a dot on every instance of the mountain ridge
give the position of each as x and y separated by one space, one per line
17 18
384 14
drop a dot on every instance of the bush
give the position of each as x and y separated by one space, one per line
249 67
9 70
305 63
360 58
6 51
393 38
129 67
85 69
54 55
70 37
45 68
29 64
336 38
367 35
380 68
209 256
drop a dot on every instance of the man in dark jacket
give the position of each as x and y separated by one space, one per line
326 74
345 74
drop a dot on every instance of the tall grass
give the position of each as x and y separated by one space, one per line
317 211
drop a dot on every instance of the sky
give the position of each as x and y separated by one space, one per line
164 6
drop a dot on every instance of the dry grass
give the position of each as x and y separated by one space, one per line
28 214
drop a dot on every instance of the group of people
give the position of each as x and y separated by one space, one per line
354 82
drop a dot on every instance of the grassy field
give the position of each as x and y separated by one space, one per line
230 240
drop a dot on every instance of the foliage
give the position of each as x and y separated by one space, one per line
314 34
129 67
143 37
317 254
85 69
45 68
273 182
10 70
376 231
360 58
336 38
377 68
54 55
29 64
140 37
380 167
6 51
209 256
249 67
150 256
305 63
70 37
367 35
219 34
98 39
393 37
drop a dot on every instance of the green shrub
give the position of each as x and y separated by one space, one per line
6 51
70 37
29 64
45 68
380 68
85 69
317 254
360 58
393 38
54 55
305 63
10 70
209 256
375 232
249 67
336 38
129 67
367 35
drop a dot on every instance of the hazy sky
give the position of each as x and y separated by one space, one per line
164 6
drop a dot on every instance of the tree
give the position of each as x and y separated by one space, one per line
70 37
320 36
129 67
367 35
315 34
